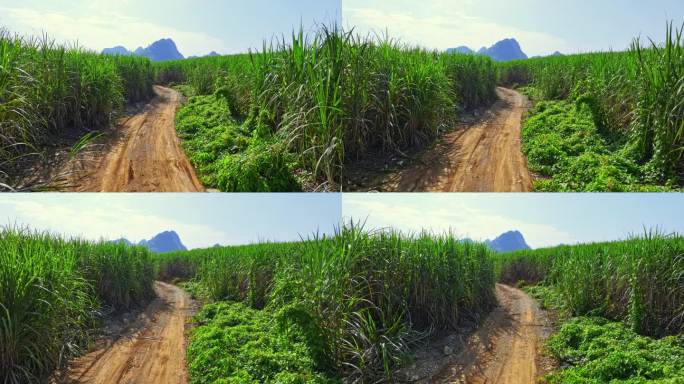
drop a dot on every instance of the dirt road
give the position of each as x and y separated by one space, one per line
144 155
480 156
154 353
506 349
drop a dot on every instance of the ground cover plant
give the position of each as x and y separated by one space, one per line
49 90
247 345
610 121
53 291
319 102
609 352
354 304
622 306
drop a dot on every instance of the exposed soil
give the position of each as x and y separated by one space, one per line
506 349
143 155
151 351
483 155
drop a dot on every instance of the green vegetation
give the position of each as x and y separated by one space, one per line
250 346
636 287
49 91
318 102
561 139
350 307
639 281
227 156
614 121
52 293
353 304
605 352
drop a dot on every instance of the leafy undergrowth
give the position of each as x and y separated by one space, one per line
548 298
561 141
596 350
232 156
237 344
600 351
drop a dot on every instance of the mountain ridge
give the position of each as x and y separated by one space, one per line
503 50
508 242
160 50
164 242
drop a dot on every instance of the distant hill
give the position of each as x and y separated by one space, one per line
118 50
122 240
508 242
160 50
164 242
504 50
462 49
210 54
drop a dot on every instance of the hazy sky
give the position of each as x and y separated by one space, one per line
201 220
197 26
544 219
541 26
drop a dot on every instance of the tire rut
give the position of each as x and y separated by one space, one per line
144 155
482 156
154 352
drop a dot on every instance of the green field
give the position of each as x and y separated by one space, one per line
54 292
50 91
294 114
352 306
607 121
622 292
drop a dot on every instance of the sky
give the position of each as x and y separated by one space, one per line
197 26
541 26
544 219
201 220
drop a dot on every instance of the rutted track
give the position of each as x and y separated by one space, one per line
507 348
483 156
145 155
154 353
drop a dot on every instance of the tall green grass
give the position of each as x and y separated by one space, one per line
335 97
639 281
635 97
53 291
48 90
370 295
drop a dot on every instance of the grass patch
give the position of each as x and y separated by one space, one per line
548 298
562 141
601 351
231 155
234 343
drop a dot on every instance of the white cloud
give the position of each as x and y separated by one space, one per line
438 24
443 213
114 219
103 29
